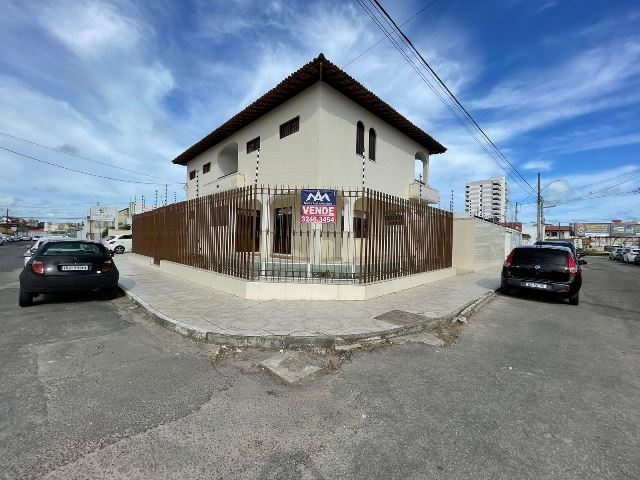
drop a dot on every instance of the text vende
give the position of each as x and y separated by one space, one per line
318 210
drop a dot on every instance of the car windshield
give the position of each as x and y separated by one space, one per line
71 248
540 256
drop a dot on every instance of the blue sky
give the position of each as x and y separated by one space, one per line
555 85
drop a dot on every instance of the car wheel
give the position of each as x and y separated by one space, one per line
574 299
25 299
119 249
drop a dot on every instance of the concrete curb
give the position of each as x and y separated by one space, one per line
167 322
304 342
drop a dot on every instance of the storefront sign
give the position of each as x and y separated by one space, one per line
593 229
317 206
625 230
104 214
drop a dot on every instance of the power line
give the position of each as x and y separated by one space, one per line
628 176
59 150
407 42
382 39
78 171
436 93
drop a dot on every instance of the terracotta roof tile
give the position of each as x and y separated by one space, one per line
318 70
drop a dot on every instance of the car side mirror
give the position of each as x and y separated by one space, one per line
582 262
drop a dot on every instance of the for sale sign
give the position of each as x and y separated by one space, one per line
317 206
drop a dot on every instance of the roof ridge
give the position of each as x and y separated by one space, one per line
319 69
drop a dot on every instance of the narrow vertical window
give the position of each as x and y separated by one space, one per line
372 144
192 175
360 138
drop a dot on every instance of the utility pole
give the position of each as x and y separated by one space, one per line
515 217
451 203
539 218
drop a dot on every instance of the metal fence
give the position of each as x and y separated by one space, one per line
256 233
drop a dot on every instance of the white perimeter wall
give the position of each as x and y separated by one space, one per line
478 243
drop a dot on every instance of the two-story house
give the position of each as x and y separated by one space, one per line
322 131
318 127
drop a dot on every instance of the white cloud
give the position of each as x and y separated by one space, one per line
90 28
595 80
538 165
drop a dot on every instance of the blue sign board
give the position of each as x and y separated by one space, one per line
318 197
317 206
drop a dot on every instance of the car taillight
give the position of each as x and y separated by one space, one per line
106 266
37 267
573 268
509 260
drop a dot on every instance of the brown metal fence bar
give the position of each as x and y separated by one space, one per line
223 233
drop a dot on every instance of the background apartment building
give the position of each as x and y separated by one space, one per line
487 199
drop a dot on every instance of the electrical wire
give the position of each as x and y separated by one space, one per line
59 150
79 171
368 49
433 89
415 51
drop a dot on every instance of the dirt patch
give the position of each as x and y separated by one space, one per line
449 333
247 360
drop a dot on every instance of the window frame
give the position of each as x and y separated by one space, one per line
373 136
360 138
192 175
206 168
360 224
251 145
290 127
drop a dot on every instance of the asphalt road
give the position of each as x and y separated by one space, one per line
533 388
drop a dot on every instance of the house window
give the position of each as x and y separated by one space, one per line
360 138
372 144
206 168
192 175
290 127
253 145
360 224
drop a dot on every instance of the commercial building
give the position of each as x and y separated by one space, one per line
487 199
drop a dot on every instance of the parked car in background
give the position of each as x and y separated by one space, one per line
547 268
620 253
630 256
613 252
68 266
31 250
560 243
637 260
119 243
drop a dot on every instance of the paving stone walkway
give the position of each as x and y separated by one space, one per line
208 314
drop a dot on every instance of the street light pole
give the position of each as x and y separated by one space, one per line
539 217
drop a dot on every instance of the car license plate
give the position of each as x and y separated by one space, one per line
74 268
535 285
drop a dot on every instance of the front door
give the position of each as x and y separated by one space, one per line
282 231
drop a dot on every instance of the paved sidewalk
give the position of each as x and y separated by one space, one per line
206 314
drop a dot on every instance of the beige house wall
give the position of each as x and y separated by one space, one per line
463 241
478 243
321 154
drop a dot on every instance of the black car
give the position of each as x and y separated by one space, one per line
546 268
68 266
